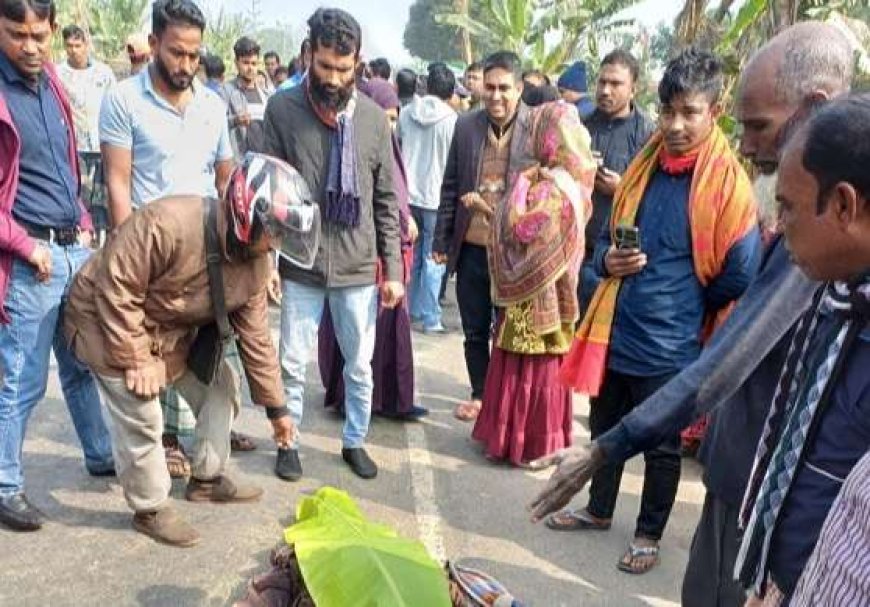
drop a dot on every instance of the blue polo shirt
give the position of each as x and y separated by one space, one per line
174 152
660 311
47 183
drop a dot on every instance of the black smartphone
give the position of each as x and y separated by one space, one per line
627 237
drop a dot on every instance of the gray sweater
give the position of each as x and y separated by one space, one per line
347 256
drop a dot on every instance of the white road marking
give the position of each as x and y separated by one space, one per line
423 492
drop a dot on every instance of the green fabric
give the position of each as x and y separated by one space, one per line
346 560
517 333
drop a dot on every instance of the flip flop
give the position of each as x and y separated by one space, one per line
635 552
578 520
467 411
177 463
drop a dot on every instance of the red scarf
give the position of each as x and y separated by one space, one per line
678 165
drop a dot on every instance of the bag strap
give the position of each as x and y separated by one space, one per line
214 267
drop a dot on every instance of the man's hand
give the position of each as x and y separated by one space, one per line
574 467
147 380
413 230
283 431
243 119
86 239
40 259
624 262
475 203
439 258
606 181
392 293
274 287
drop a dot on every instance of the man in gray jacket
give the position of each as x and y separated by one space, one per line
341 144
426 129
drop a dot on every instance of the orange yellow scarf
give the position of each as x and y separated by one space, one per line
722 210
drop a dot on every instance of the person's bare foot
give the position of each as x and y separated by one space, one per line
467 411
641 556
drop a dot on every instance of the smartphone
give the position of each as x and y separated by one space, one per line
627 237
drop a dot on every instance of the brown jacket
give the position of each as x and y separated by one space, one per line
143 296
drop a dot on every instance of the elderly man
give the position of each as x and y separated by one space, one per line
808 62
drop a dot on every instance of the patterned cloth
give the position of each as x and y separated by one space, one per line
537 234
799 402
722 211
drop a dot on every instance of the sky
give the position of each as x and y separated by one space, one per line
383 21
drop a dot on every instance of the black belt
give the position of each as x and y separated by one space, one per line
63 237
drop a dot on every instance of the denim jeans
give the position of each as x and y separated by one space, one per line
354 315
36 326
426 275
620 394
477 313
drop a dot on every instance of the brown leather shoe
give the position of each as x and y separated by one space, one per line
221 490
167 527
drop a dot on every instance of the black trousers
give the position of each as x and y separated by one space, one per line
476 311
709 579
619 395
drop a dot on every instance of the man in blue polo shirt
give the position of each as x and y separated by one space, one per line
44 238
163 133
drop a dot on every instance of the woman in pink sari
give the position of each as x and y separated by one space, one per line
535 255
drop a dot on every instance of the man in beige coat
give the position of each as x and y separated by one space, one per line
133 313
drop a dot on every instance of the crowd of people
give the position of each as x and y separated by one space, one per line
595 251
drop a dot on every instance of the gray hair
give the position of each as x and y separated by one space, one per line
817 56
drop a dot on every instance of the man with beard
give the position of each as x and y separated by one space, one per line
340 142
738 372
246 100
163 133
618 129
271 61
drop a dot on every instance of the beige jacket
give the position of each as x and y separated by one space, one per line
143 296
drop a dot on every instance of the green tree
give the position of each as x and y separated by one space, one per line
221 32
430 40
545 33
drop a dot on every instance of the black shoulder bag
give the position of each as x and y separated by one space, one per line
207 351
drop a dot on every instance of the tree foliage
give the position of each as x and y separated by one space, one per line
430 40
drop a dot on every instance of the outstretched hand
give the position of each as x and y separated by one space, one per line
574 468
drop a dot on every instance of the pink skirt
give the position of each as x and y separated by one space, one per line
527 413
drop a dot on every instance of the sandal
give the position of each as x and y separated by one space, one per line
176 462
636 552
574 520
467 411
241 442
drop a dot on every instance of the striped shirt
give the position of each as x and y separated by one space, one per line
838 572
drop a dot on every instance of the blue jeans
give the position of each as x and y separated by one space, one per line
426 275
36 313
354 315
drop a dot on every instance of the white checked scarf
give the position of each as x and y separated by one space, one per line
799 402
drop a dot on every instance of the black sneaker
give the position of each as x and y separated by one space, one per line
288 466
19 514
360 462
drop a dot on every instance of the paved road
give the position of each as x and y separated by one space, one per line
434 484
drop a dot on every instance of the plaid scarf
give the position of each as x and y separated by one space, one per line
815 359
342 189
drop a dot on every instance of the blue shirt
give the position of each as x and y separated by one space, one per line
174 153
842 439
47 183
660 311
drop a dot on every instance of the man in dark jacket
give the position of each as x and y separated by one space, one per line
475 180
618 129
340 142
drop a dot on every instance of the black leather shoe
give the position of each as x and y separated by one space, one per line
360 462
18 514
103 473
288 466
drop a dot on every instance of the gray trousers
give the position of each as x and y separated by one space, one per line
137 430
709 579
